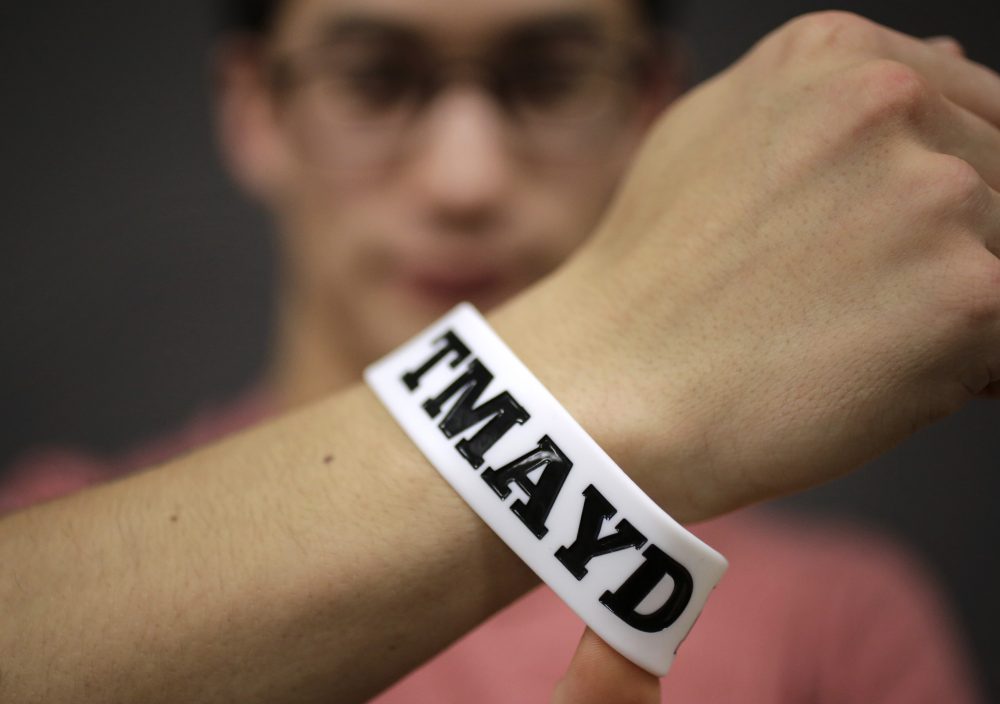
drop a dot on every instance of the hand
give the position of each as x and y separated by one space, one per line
599 675
800 271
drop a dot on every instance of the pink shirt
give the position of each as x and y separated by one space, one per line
808 612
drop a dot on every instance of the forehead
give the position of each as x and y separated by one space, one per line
450 23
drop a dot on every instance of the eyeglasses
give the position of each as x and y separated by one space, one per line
354 107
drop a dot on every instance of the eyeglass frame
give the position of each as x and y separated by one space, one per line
633 65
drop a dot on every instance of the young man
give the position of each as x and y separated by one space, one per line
798 272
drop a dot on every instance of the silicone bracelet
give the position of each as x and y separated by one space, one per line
497 435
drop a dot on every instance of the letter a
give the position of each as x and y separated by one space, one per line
587 545
541 494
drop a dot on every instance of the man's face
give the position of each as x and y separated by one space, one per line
424 152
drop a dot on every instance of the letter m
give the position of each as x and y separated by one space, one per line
502 410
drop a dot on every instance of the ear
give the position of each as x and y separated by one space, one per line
247 127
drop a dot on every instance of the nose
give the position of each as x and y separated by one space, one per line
462 163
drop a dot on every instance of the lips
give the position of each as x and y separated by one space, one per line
442 287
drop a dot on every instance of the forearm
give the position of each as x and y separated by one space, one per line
723 349
318 557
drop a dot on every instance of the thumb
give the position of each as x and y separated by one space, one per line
599 675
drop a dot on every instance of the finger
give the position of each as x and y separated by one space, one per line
599 675
973 86
946 43
970 137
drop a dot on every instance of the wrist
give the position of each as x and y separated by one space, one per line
553 480
558 331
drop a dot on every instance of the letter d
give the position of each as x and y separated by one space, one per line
626 599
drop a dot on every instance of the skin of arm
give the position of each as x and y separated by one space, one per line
318 557
723 349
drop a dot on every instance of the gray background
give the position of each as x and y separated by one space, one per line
136 282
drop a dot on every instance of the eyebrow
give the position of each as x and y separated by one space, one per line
543 27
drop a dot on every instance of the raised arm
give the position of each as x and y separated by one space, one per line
800 272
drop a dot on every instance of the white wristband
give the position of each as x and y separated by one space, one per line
630 571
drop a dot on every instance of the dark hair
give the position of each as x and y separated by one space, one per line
257 16
252 16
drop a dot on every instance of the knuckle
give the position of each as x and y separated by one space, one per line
964 289
874 96
828 29
980 293
952 182
887 90
950 44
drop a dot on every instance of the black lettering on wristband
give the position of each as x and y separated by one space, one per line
498 416
596 510
626 599
502 410
451 344
555 466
